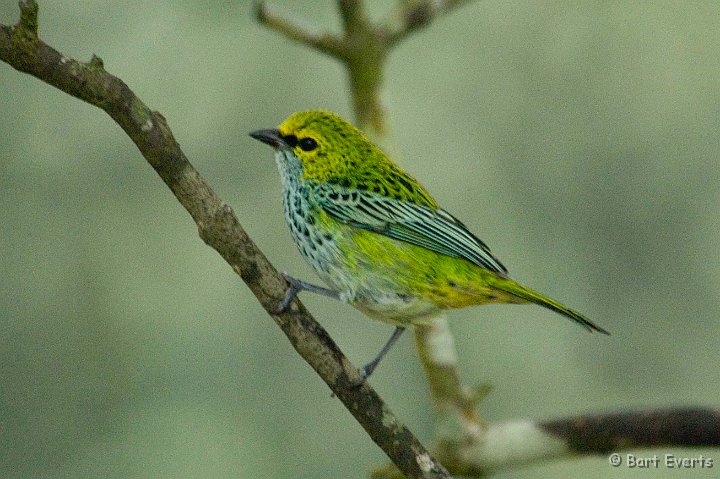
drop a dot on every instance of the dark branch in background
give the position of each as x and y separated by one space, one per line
598 434
21 48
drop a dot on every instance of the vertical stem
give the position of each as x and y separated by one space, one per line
436 349
365 71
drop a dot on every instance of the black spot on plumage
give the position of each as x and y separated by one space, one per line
406 184
310 219
333 195
361 186
328 236
345 196
452 284
345 183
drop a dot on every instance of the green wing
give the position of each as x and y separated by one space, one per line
434 229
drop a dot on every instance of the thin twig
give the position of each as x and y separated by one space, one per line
300 32
604 433
354 15
411 16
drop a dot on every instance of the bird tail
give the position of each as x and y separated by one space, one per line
509 286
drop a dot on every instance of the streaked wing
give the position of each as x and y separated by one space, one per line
434 229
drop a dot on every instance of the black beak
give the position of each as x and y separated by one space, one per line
270 136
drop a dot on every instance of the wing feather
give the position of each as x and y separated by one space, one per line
434 229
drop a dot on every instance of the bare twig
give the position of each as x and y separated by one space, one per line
219 228
603 433
354 15
411 16
324 42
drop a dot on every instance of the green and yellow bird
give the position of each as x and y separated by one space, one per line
376 236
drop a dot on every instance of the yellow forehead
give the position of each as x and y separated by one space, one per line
317 121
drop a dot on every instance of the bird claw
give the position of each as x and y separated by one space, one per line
364 373
290 294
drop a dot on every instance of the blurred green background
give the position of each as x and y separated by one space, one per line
578 139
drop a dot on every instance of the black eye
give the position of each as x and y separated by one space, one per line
308 144
290 140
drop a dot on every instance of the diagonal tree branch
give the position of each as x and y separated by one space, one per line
21 48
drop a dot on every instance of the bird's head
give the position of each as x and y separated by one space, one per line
325 145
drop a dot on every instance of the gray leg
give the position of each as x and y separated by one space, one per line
368 369
297 285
